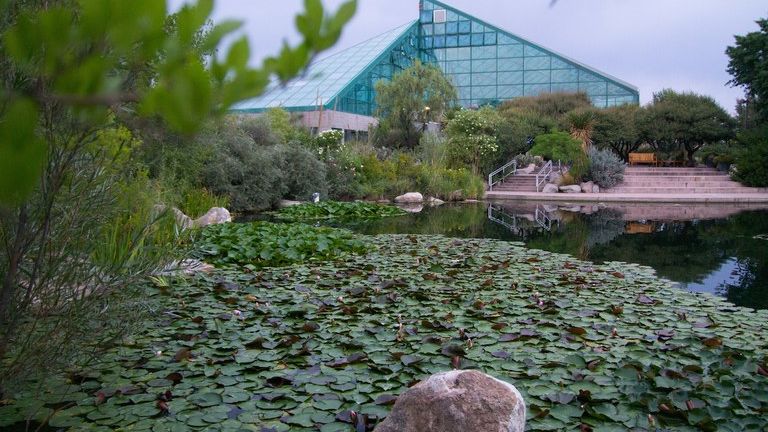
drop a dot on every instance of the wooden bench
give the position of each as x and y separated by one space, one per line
643 158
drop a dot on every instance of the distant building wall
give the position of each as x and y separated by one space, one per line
329 119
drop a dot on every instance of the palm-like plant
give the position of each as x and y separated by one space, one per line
581 124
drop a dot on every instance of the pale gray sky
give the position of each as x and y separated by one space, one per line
653 44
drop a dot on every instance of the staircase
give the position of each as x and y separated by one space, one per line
651 180
517 183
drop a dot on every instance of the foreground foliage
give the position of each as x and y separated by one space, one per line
608 347
337 210
262 244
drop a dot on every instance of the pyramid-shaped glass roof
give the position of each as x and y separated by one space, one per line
325 80
485 63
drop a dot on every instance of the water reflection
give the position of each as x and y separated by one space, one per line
712 248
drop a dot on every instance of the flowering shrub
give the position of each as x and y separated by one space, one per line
328 142
472 137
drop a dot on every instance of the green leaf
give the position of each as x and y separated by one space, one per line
22 152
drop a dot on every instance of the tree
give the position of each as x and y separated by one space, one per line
414 97
616 128
76 221
748 65
85 55
472 137
685 122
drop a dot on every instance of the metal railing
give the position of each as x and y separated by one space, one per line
503 172
542 218
543 175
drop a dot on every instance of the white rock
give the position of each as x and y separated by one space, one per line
595 189
214 216
434 202
550 188
570 189
410 197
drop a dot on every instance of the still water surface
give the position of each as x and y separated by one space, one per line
721 249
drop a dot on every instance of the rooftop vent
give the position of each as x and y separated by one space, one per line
438 15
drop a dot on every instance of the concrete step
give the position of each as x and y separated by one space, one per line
674 173
678 183
676 177
681 190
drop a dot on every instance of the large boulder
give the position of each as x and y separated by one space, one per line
457 401
216 215
410 198
586 187
550 188
570 189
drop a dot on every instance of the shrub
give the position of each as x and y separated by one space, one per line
328 143
752 159
258 129
249 174
302 172
472 138
605 168
567 179
561 146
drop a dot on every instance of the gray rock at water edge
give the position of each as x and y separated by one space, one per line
570 189
457 195
216 215
595 189
410 197
457 401
550 188
586 187
434 202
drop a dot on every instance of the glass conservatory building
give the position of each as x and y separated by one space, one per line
486 64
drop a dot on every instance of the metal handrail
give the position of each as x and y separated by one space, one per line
544 173
542 218
504 173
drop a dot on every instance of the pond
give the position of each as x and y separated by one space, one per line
721 249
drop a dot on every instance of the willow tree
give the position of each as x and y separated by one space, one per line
414 97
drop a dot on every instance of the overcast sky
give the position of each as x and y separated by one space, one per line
653 44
